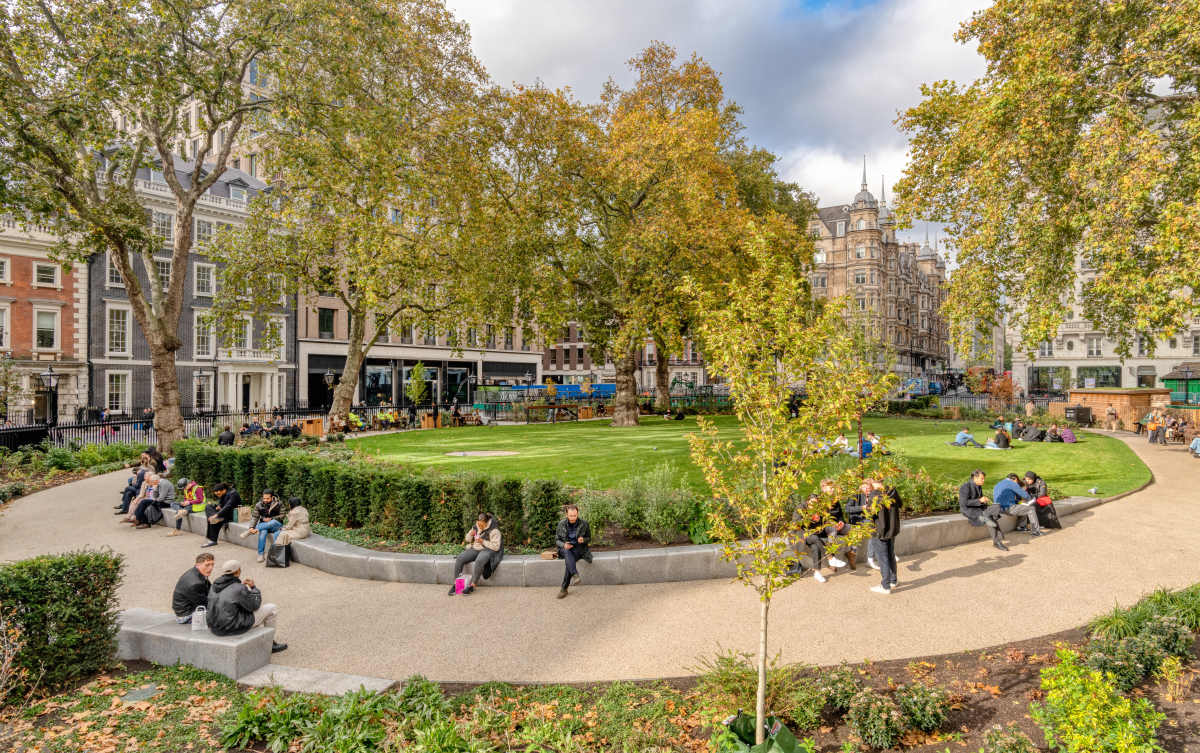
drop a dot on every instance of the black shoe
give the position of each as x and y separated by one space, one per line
117 507
120 512
1037 533
468 590
1000 545
208 543
1021 529
277 647
562 593
451 591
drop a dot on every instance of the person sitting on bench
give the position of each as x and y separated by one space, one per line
572 538
484 548
191 590
964 438
220 511
1014 500
235 605
978 509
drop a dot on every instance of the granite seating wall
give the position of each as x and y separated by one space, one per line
658 565
156 637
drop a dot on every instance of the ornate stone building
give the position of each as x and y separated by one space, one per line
898 286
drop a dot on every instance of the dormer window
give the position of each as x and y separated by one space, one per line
237 193
841 228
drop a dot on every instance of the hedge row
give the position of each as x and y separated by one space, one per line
62 612
392 501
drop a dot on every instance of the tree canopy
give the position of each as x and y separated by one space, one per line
1080 139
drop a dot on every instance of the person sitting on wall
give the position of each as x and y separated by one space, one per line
191 590
220 511
1014 500
572 537
226 438
266 520
1002 440
297 526
812 548
484 547
964 438
1194 447
246 430
235 605
133 486
978 509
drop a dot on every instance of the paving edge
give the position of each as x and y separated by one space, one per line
624 567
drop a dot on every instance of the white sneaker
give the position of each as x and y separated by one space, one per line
818 577
872 563
246 533
260 558
835 562
881 590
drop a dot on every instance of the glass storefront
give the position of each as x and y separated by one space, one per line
1098 376
377 383
1049 378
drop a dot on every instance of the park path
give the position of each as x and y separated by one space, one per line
962 598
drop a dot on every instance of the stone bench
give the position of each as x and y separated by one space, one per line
156 637
655 565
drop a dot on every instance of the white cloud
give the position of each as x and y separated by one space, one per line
819 87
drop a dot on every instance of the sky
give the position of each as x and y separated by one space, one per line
820 81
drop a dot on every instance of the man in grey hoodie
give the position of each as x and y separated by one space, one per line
236 605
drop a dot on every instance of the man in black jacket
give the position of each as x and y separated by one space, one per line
191 590
226 438
236 605
221 511
572 538
978 509
887 528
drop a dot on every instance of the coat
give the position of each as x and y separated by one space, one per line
887 520
295 528
226 438
276 508
191 591
489 538
971 504
224 507
231 606
584 532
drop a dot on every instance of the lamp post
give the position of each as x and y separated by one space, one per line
50 382
1187 379
528 377
471 380
329 377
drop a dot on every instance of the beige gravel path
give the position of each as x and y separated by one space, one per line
966 597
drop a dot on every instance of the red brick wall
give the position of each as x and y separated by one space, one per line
24 293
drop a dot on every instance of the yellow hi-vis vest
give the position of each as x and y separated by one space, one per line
194 495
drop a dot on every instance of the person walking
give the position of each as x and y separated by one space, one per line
572 538
887 528
191 590
235 605
1110 418
220 512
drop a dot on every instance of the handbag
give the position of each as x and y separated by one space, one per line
1043 501
154 514
1048 517
278 555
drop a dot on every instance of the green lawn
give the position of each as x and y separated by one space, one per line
594 455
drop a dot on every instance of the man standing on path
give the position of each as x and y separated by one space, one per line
191 590
887 528
1014 501
978 509
1110 415
572 537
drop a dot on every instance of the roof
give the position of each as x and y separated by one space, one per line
1193 368
231 175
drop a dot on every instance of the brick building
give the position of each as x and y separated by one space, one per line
43 324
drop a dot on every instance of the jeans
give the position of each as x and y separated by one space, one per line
481 558
127 497
140 513
1026 510
571 557
1195 446
968 441
885 557
178 509
269 527
813 548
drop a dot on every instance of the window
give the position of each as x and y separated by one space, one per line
202 338
860 304
156 176
509 333
860 252
874 278
579 357
819 257
1095 349
204 232
1196 343
396 216
1174 343
554 358
406 334
325 323
117 391
163 268
841 228
252 73
1142 345
525 340
860 277
1070 345
429 337
163 226
241 335
4 340
4 277
205 282
472 337
1046 350
45 275
45 329
253 169
118 331
491 336
237 193
820 281
203 397
862 225
281 332
113 274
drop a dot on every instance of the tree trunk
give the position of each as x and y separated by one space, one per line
625 402
343 395
168 420
760 698
662 378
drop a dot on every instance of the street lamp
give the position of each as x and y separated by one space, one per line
529 377
471 380
50 382
329 377
1187 378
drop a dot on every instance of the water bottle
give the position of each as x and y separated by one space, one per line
200 619
1093 491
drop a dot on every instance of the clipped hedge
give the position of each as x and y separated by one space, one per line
392 501
64 608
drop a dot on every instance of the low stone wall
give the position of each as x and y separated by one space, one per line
156 637
658 565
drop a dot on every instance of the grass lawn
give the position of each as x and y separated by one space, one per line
594 455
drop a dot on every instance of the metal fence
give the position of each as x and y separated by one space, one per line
988 403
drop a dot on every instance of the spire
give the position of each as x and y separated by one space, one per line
864 180
882 190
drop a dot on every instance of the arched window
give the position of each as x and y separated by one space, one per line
862 224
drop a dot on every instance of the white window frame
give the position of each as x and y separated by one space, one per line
281 349
109 268
206 376
861 225
166 284
238 193
198 317
112 306
168 237
860 252
6 273
196 291
125 397
841 228
57 328
249 345
33 280
818 257
212 230
1046 349
6 326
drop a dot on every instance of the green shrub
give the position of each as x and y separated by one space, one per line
62 459
598 508
402 511
1125 661
11 490
840 685
668 506
272 718
1170 632
729 680
506 499
543 502
805 703
925 707
357 722
875 719
1084 713
65 608
629 498
1008 739
699 529
101 468
444 736
448 516
422 701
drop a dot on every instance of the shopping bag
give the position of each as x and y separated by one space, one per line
200 619
1048 516
277 555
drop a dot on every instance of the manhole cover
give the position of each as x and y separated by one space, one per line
144 693
481 453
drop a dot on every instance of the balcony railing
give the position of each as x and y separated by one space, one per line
249 354
163 189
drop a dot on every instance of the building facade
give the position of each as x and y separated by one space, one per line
1081 356
237 374
898 286
43 326
455 363
570 361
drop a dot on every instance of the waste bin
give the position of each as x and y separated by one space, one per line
777 738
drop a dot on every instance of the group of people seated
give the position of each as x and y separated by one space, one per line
231 604
1015 496
1163 428
1006 431
870 443
828 531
